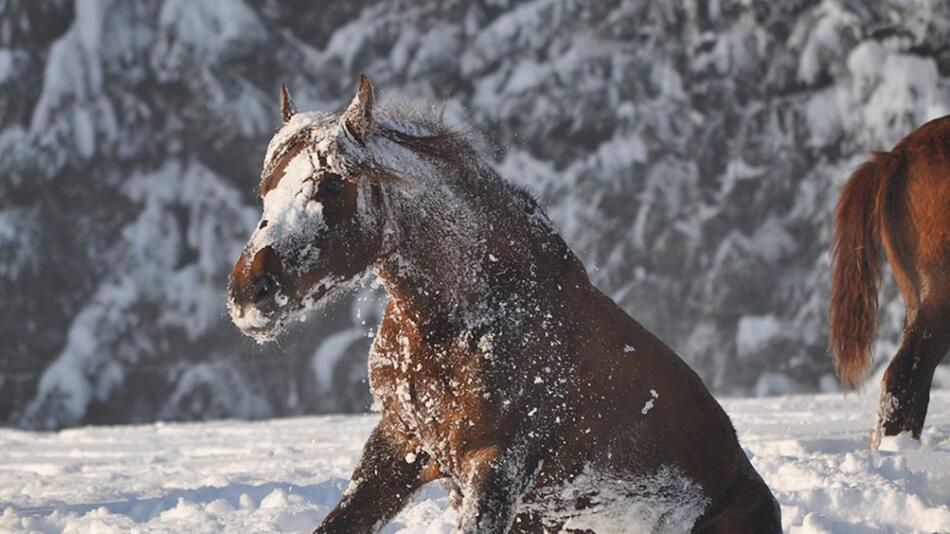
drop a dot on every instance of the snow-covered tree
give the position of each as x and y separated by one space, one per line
690 152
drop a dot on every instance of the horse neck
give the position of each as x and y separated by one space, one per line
452 241
438 240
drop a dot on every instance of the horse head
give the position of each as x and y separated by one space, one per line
321 225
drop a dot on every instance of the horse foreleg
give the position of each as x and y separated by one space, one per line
380 486
905 389
492 490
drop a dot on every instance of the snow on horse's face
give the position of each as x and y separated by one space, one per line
320 226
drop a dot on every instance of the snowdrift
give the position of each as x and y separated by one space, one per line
284 475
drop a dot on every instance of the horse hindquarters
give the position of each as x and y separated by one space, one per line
746 507
917 242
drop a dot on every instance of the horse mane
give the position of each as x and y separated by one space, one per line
417 128
424 131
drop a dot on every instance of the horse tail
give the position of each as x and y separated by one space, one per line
864 217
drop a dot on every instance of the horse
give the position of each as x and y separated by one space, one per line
899 200
498 367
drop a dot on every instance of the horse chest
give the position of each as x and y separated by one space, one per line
433 395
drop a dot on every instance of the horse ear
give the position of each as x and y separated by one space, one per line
287 109
358 116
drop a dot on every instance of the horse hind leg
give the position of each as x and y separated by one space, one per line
905 388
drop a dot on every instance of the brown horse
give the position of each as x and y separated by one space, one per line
498 366
900 199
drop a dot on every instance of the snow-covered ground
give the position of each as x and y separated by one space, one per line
284 475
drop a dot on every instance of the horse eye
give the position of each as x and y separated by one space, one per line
331 185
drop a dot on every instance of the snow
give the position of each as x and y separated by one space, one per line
648 405
668 496
822 39
284 475
329 353
90 367
288 208
755 332
18 234
213 27
7 67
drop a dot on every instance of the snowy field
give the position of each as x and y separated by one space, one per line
284 475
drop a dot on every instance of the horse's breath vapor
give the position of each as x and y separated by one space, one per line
498 367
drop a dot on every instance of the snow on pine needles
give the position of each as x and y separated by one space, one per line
284 475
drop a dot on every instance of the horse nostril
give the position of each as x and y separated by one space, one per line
264 286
